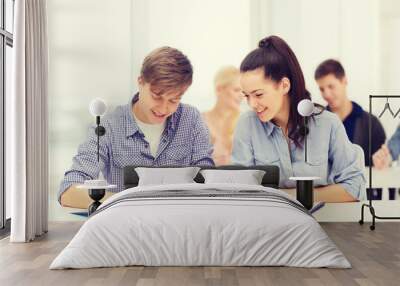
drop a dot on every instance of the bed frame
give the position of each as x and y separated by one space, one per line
270 179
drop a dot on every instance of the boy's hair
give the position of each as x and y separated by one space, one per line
329 66
167 69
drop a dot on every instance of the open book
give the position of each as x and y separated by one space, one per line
317 206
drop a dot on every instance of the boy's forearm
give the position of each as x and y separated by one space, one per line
78 198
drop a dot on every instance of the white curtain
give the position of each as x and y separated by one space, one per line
26 119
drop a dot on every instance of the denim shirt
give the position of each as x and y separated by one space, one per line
331 156
185 141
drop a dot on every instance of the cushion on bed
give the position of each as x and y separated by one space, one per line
248 177
163 176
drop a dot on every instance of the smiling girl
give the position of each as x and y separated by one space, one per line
271 133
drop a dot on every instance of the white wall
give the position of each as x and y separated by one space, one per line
363 34
96 48
89 56
390 60
321 29
211 33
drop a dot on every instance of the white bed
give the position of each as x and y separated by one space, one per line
201 224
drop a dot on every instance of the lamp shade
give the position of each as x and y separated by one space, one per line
97 107
305 107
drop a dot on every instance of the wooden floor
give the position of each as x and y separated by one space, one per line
374 255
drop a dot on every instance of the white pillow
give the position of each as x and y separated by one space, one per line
163 176
248 177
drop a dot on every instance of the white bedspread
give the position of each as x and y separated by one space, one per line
181 230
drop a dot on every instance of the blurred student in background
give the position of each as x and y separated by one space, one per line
387 153
221 119
332 82
273 132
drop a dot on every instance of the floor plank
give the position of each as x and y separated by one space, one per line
374 255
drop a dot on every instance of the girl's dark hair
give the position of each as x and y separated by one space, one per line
278 61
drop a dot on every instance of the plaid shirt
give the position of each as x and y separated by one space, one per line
185 141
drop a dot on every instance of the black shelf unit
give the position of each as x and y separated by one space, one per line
369 205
